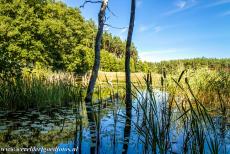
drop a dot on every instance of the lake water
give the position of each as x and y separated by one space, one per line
66 128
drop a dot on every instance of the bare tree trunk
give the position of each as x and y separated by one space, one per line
93 78
128 99
88 99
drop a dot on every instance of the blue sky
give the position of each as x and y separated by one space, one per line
171 29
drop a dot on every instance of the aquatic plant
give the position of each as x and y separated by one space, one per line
160 118
35 90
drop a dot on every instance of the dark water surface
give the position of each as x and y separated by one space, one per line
69 127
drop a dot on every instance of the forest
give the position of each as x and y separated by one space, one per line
52 35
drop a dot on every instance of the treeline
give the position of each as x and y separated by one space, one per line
172 66
43 33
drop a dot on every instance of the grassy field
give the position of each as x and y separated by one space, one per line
119 76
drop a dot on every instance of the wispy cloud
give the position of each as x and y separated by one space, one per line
143 28
139 3
226 13
106 28
165 51
124 30
180 6
159 55
155 28
122 33
216 3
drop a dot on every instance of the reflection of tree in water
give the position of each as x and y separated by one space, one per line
79 125
127 130
92 126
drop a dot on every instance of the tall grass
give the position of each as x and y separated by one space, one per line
161 116
37 90
207 85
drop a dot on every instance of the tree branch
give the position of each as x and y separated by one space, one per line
89 1
108 8
108 25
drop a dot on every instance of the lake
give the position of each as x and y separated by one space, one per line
108 131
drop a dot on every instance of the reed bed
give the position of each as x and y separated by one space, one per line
35 90
160 117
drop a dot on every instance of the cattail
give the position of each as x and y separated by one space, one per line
151 82
186 80
181 75
164 73
162 81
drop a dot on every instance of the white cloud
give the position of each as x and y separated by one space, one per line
170 54
124 30
122 33
166 51
217 3
139 3
227 13
106 28
159 55
181 6
155 28
143 28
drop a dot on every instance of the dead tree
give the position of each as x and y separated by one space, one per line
128 99
88 99
97 48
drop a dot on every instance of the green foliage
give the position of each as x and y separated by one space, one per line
51 34
80 61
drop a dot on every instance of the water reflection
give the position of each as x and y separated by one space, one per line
102 127
127 129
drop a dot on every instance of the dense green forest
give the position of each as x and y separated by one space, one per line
42 33
46 34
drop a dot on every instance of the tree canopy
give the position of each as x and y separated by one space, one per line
47 33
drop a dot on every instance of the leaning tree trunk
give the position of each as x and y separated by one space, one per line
128 99
88 99
93 78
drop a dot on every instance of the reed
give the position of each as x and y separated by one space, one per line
161 115
35 91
